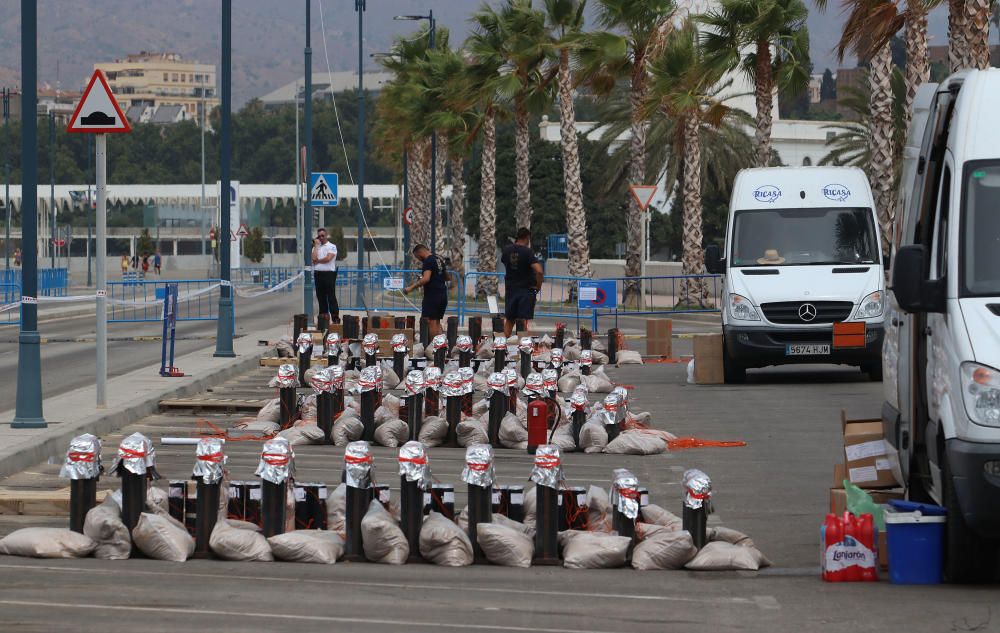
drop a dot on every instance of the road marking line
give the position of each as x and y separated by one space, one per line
564 594
287 616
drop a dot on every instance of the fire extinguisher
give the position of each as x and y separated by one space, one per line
538 416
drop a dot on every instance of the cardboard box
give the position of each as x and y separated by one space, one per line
708 359
838 498
659 337
869 461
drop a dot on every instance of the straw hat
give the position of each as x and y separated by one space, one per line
771 257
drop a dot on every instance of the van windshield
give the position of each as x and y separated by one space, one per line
981 231
796 237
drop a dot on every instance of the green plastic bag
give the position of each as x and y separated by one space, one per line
860 502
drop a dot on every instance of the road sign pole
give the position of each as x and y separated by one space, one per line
28 409
101 161
307 281
224 329
359 6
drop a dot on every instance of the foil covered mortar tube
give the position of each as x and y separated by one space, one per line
336 377
550 378
322 381
452 385
556 357
277 461
534 385
358 465
398 342
209 460
463 343
547 470
497 382
526 345
137 455
511 375
432 378
414 464
370 343
439 342
697 489
586 358
625 493
332 344
83 459
479 469
467 375
288 376
613 413
414 383
304 343
369 379
499 343
578 401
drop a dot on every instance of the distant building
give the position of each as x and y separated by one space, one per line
815 86
939 55
152 80
59 103
325 85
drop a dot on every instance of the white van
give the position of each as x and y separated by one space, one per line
802 253
942 349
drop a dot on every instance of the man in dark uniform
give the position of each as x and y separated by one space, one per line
523 280
433 280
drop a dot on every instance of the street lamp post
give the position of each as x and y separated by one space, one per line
224 328
52 186
28 410
6 175
307 285
360 6
432 24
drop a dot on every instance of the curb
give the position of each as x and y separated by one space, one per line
58 436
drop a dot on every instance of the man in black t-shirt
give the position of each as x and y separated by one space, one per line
523 280
433 279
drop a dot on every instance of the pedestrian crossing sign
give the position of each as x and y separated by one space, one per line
323 189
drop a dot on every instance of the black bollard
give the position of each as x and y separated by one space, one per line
414 415
322 322
369 401
525 356
414 477
305 359
520 325
697 505
579 405
83 468
357 476
275 470
613 415
272 506
613 345
511 389
586 361
135 466
300 323
451 330
325 415
439 357
560 337
499 353
352 327
452 390
478 474
548 476
206 513
497 384
425 332
497 324
624 502
465 349
399 362
585 338
476 329
288 399
432 385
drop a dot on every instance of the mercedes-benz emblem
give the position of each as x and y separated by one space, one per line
807 312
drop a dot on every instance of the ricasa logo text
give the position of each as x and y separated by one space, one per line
766 193
836 192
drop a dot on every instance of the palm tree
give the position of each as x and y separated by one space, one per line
968 33
685 87
851 143
635 31
564 19
740 36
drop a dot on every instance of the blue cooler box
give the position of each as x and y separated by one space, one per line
916 542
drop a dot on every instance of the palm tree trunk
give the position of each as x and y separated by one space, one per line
636 176
522 152
918 69
442 163
487 284
763 93
420 193
693 258
576 214
977 25
958 43
882 132
458 215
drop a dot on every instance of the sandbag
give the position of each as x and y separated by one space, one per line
307 546
392 433
644 418
391 403
442 542
513 432
504 545
729 535
599 357
722 556
382 538
160 539
336 509
563 438
664 550
628 357
530 505
390 378
156 500
597 382
656 515
304 434
40 542
307 409
433 431
230 543
569 382
481 407
347 429
472 431
270 412
418 350
104 525
523 528
598 510
263 427
285 347
593 437
636 443
383 415
593 550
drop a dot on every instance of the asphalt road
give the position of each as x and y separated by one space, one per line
775 489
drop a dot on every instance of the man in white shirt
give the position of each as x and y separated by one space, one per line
324 258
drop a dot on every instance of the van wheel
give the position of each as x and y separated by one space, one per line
734 373
874 371
968 557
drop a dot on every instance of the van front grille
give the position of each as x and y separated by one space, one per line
789 312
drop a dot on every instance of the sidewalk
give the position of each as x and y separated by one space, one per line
130 397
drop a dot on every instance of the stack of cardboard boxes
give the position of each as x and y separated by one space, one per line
870 463
708 368
659 337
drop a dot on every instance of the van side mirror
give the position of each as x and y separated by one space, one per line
713 259
913 291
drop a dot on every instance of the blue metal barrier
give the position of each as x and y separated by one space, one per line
382 289
10 295
203 307
52 282
265 276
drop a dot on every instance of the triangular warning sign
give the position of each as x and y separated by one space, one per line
643 194
321 189
98 111
243 231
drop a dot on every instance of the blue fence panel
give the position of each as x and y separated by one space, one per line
192 305
265 276
10 304
52 282
378 297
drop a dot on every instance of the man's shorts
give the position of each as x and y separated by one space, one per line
520 304
434 306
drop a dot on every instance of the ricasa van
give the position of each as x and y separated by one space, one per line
802 254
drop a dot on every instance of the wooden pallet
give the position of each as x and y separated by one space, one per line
214 404
46 503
